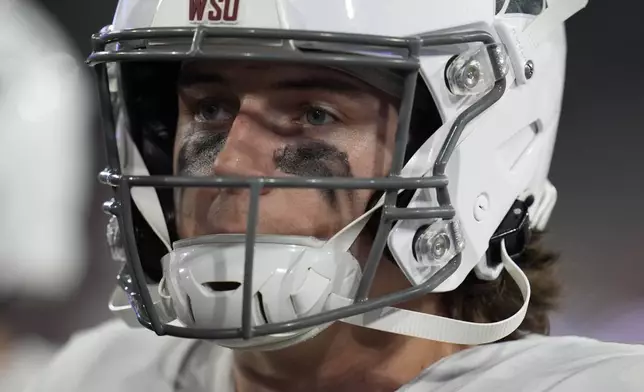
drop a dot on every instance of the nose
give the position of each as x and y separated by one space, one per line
248 150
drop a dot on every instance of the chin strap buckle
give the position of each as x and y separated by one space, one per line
514 230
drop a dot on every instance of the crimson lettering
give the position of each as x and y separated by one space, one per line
219 10
215 14
197 8
231 10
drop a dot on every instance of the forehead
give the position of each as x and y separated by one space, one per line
232 69
252 74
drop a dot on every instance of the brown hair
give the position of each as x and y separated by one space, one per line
476 300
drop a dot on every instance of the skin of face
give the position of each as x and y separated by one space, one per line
250 119
262 120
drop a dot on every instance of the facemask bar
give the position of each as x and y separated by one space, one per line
146 312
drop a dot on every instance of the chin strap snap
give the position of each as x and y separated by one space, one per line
515 231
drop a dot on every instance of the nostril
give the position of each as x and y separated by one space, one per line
222 286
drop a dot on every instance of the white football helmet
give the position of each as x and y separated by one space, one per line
473 188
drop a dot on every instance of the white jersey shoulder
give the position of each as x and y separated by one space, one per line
114 357
538 364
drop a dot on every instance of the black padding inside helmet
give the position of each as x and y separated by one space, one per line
149 92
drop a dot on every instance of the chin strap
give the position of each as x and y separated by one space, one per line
432 327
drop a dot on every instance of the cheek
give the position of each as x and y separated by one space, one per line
192 205
184 121
371 157
185 211
369 147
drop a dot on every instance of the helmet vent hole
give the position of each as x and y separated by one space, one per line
190 312
260 304
222 286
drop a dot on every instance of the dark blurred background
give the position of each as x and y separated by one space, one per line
597 226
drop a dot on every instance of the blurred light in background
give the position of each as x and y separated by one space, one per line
45 112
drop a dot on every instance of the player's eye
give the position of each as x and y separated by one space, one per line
317 116
211 111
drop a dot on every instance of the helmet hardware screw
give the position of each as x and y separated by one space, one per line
529 69
111 207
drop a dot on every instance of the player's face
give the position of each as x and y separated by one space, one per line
246 119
